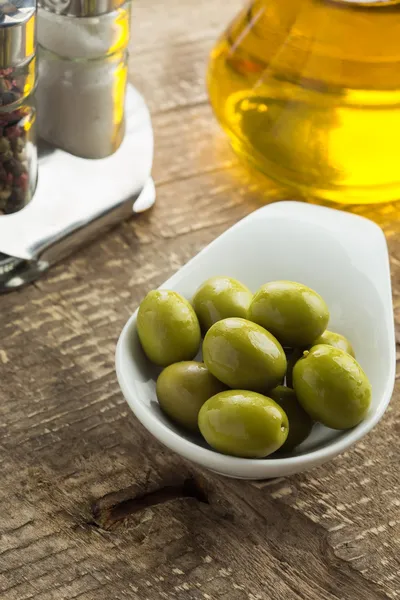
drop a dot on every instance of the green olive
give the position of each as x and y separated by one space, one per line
243 355
219 298
332 387
182 389
168 328
336 340
292 312
300 424
243 423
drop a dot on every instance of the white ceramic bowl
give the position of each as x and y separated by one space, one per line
343 257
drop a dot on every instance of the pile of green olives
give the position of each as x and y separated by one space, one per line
270 369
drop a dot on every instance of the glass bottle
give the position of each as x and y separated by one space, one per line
18 151
82 48
309 92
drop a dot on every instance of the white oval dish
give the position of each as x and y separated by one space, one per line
343 257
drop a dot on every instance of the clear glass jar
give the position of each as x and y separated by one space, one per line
83 74
18 150
309 93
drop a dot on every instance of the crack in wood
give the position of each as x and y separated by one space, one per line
118 506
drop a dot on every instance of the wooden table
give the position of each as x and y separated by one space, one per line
91 506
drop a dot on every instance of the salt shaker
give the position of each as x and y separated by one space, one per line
82 48
18 151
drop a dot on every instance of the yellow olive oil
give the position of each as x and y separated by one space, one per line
309 93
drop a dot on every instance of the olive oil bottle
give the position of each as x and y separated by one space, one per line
309 93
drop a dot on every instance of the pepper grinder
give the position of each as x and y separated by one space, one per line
18 151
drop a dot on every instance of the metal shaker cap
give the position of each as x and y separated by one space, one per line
81 8
17 32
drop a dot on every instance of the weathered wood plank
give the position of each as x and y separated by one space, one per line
157 24
73 458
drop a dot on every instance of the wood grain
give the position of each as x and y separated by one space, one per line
91 506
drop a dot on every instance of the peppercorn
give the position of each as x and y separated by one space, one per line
4 145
